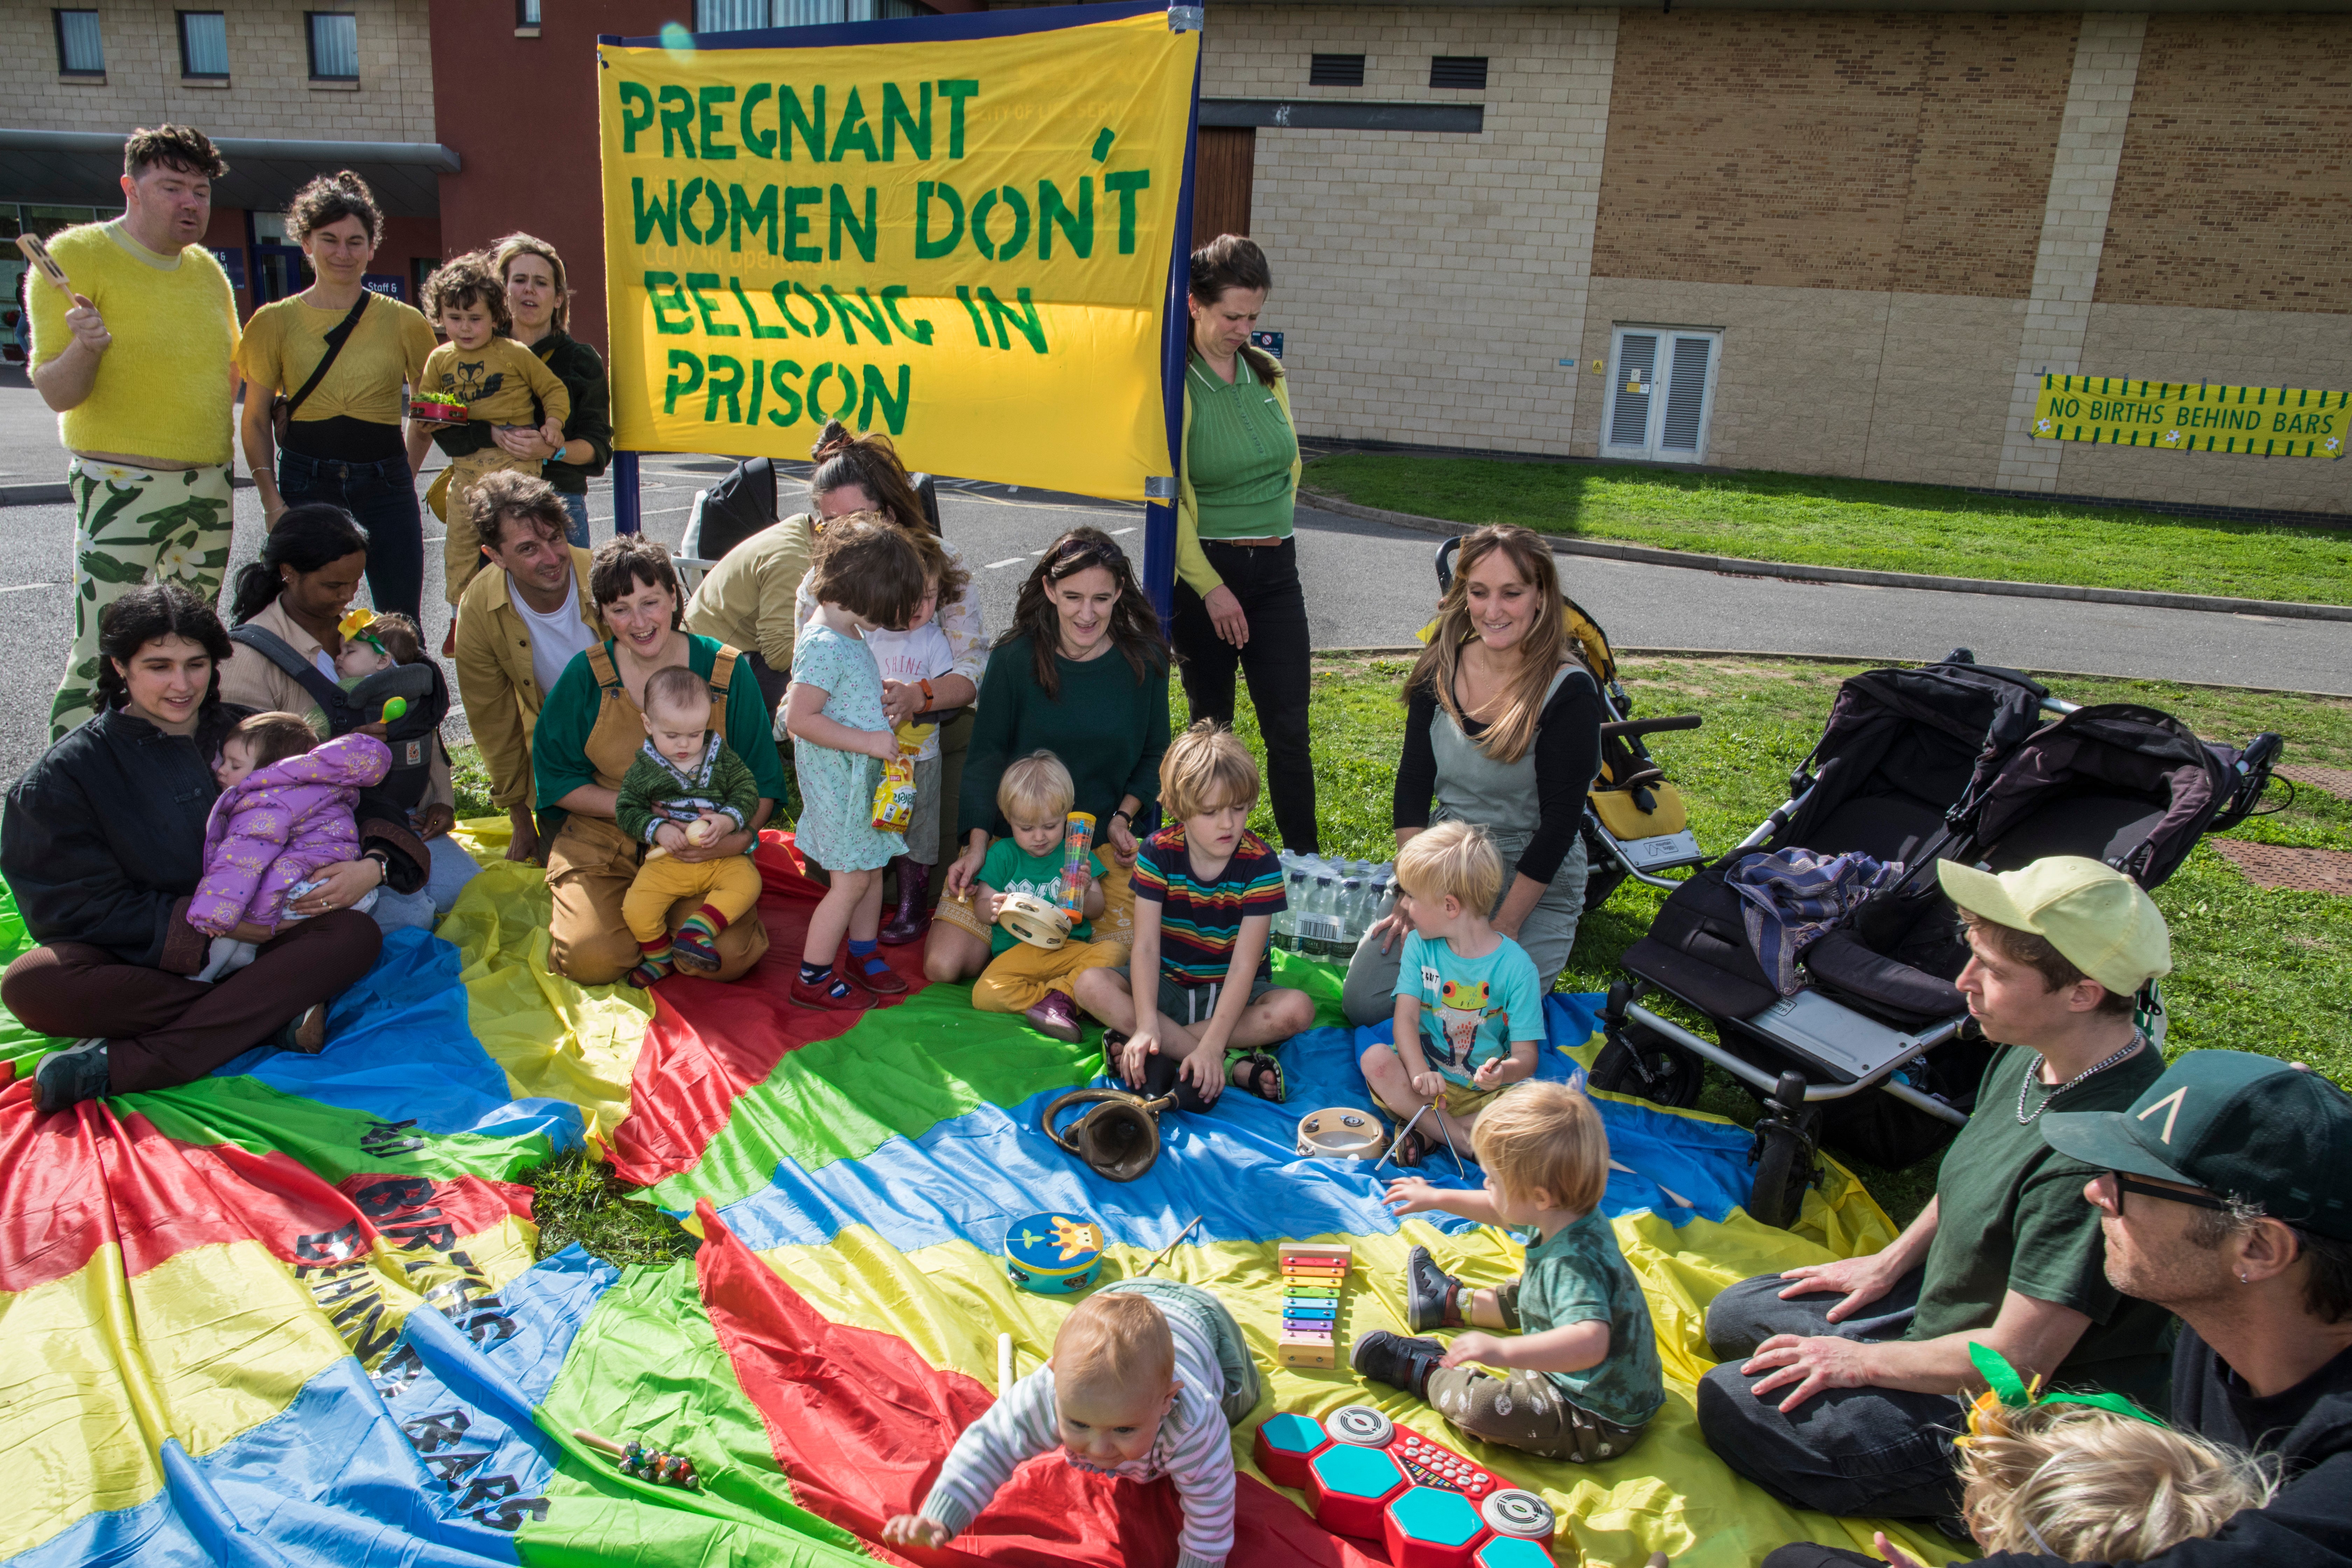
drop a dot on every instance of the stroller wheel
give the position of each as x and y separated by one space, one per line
1638 1063
1784 1169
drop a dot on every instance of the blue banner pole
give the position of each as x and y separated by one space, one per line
1175 346
628 513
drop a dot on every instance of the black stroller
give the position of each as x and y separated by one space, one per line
1941 762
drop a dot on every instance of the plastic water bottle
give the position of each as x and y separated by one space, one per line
1352 914
1285 933
1319 925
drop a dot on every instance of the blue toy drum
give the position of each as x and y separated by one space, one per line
1053 1254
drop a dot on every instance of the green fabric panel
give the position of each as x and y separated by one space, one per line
900 1072
327 1140
648 1366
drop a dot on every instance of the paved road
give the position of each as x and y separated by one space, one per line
1370 585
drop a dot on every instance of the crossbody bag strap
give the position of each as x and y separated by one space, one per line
337 336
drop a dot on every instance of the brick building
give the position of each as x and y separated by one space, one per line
1726 232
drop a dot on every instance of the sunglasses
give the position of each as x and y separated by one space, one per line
2122 1184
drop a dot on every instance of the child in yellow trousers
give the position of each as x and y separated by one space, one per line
1034 981
685 789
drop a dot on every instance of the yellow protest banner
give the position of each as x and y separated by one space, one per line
2181 417
957 230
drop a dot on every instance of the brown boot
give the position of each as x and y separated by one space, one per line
912 918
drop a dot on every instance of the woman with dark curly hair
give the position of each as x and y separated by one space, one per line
1082 674
103 844
336 437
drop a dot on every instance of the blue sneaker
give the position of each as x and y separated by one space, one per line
68 1077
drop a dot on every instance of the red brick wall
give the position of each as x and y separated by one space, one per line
2235 188
1832 150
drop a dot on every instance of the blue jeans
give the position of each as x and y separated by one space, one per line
381 499
452 869
577 506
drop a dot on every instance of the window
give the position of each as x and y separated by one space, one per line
1458 70
1661 390
204 44
334 46
526 13
80 52
1335 71
735 16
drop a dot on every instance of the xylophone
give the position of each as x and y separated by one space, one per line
1434 1508
1312 1276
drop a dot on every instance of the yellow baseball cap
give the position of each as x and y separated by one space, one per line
2098 919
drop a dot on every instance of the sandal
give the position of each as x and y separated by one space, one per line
1410 1148
1250 1072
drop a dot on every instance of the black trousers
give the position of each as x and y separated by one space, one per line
1855 1452
1265 578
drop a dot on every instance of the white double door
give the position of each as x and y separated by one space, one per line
1661 391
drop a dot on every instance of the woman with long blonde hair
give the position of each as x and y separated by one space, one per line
1503 730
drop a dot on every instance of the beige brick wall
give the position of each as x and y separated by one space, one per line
269 93
2230 348
1885 385
1428 284
2236 188
1832 150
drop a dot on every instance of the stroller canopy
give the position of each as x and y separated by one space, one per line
2119 783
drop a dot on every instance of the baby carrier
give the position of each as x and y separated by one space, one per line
412 737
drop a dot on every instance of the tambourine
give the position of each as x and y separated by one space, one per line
1032 920
1341 1133
1118 1139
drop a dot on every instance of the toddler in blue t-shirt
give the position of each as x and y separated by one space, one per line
1469 1004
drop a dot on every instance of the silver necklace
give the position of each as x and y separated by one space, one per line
2023 1116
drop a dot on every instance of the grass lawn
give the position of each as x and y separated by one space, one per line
2269 972
1858 523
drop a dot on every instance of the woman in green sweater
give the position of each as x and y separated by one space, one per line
1239 605
1082 674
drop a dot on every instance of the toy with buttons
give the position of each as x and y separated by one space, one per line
1363 1475
1312 1276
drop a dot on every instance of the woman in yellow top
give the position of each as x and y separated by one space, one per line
1239 604
342 443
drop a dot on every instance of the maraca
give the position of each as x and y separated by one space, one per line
394 708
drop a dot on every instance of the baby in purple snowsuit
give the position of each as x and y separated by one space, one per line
285 812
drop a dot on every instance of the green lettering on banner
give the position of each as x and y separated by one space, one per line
710 98
634 96
1077 227
870 313
925 247
894 409
758 382
816 410
762 143
785 390
1024 320
841 215
955 90
823 316
735 285
895 119
676 123
731 388
701 233
676 386
742 211
1010 248
809 125
1127 181
978 327
695 282
921 330
662 214
655 283
782 293
853 134
796 227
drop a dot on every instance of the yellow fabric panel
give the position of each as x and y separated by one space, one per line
555 1039
98 1371
1621 818
1671 1494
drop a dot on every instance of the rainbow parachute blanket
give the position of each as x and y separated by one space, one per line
289 1315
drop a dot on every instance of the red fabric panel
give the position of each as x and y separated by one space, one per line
73 1181
860 1424
708 1043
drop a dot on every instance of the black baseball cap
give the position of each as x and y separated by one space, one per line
2249 1127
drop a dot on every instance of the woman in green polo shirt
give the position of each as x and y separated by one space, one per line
1239 604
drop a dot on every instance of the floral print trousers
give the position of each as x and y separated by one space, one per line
133 526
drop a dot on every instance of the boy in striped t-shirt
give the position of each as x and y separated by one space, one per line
1147 1379
1206 892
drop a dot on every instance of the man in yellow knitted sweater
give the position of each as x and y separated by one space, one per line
498 379
137 366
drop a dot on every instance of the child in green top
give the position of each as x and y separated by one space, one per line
1580 1378
1034 796
685 788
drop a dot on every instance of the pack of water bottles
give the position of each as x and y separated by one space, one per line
1331 903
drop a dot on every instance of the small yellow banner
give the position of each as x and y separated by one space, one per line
2184 417
963 243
